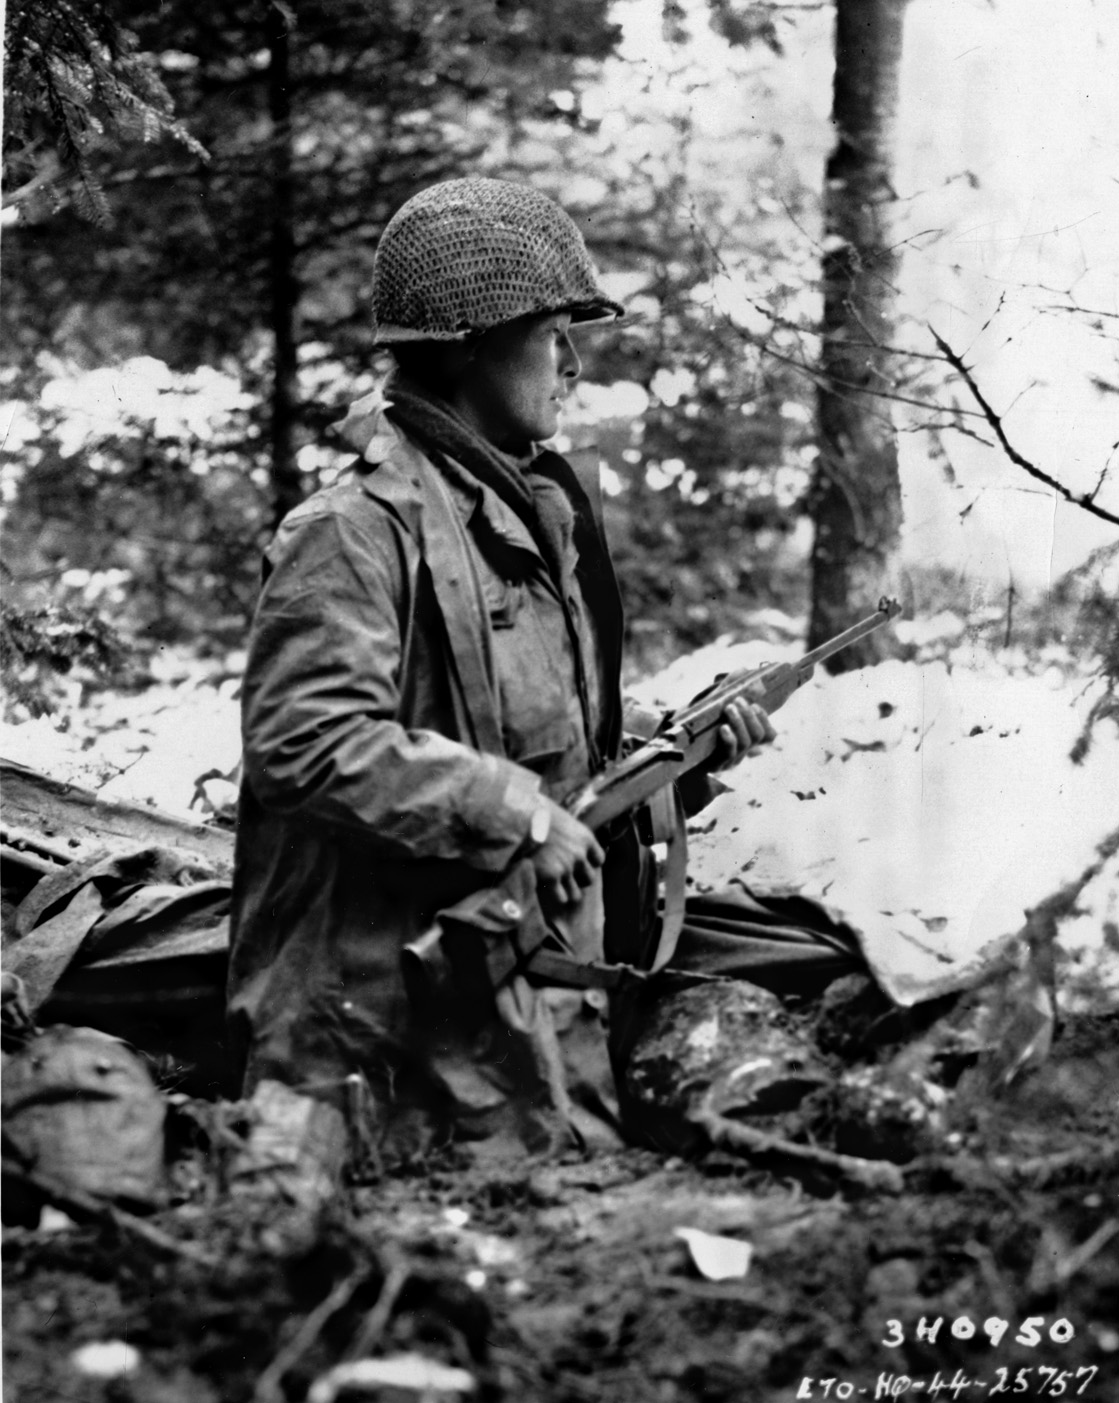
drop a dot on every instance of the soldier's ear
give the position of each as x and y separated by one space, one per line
456 359
470 348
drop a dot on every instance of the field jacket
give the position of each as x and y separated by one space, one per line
416 676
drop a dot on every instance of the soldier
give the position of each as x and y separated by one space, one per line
434 666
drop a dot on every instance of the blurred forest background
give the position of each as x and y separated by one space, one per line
194 196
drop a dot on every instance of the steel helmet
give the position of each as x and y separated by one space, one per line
467 255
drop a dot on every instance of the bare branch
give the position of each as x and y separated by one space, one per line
835 384
1084 499
1077 310
1095 492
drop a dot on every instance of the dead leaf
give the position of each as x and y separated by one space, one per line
717 1258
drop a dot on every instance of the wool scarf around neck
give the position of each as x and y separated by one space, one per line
545 492
442 433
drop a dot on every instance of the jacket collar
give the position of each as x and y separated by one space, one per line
394 471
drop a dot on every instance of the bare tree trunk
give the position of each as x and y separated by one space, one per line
856 497
286 480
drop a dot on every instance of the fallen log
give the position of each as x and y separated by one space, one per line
61 822
162 987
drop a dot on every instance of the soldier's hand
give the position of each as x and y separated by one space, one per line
566 860
745 726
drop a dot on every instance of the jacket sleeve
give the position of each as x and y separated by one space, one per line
323 742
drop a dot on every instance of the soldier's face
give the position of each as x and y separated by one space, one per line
516 380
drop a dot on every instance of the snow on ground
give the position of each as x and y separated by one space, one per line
147 748
930 806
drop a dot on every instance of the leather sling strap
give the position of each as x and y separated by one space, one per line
674 878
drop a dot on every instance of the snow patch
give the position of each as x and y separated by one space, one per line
944 808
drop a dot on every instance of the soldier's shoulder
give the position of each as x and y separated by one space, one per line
359 493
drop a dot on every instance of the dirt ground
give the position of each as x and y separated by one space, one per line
995 1271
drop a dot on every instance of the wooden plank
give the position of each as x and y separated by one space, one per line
69 820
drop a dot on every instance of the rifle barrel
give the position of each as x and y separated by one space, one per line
712 701
887 609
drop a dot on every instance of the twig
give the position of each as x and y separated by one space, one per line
81 1206
269 1384
1100 480
1077 311
1080 1256
1084 499
970 1170
375 1322
822 381
730 1135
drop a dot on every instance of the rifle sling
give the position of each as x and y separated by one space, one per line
674 879
551 967
664 822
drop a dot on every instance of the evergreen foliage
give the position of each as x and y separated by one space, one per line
39 646
75 79
382 100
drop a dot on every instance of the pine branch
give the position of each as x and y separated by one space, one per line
76 80
1086 500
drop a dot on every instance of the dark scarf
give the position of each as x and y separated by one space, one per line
529 489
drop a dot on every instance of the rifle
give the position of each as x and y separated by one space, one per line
691 735
644 782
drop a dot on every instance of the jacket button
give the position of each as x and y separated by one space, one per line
512 910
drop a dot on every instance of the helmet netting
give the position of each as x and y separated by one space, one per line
467 255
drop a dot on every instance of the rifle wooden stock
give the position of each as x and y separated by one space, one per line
692 734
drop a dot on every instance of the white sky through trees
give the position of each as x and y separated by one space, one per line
1024 95
1008 153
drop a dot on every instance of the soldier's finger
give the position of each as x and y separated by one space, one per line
738 716
558 891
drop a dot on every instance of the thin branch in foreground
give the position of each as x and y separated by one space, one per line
726 1134
1095 492
1084 499
1076 310
269 1386
86 1207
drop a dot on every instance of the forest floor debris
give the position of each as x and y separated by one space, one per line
595 1294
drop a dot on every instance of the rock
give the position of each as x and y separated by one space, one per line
731 1047
888 1113
82 1112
